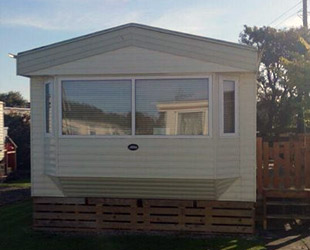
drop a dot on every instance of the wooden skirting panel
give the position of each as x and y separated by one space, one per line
100 214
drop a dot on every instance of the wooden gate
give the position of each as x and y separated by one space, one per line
283 177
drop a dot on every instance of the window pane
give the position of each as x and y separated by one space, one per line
48 108
172 107
96 107
191 123
229 106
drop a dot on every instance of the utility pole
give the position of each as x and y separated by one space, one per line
304 14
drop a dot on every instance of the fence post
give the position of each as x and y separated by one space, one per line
259 165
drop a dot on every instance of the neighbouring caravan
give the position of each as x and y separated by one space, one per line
2 139
8 148
142 128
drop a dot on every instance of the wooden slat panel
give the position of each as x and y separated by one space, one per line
190 219
266 179
225 204
161 210
232 229
235 213
119 217
135 216
176 203
276 166
63 229
287 165
70 224
119 226
118 209
146 215
163 227
181 217
298 145
168 219
194 211
211 216
109 201
232 221
63 208
287 194
61 200
64 216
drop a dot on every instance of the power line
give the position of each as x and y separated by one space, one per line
291 8
288 18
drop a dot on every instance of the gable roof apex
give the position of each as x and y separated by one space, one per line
138 35
141 26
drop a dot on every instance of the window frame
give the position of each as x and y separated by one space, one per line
221 106
51 129
133 105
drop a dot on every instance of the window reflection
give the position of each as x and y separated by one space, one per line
96 107
172 107
229 106
48 107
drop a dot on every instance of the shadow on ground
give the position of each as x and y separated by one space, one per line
297 238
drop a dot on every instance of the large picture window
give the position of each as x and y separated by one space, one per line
96 107
141 107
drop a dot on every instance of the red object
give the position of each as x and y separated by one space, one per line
10 163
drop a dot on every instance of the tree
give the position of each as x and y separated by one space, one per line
13 99
298 72
275 107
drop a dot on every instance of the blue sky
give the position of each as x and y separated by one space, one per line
26 24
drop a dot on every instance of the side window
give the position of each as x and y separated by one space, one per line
48 108
228 107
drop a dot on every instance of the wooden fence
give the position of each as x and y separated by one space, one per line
283 164
283 181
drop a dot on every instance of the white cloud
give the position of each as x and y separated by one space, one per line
72 15
294 21
34 22
195 20
89 15
72 22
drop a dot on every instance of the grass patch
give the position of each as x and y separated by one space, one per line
23 183
16 234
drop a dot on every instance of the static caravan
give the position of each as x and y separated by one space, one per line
142 128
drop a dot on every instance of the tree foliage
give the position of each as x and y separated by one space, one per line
298 72
276 99
13 99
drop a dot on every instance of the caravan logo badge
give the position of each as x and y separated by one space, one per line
133 147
